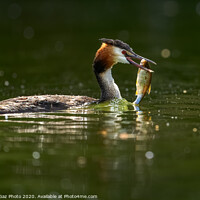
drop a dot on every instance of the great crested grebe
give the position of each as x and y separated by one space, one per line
110 53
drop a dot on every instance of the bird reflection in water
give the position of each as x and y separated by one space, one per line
129 150
143 155
144 124
110 144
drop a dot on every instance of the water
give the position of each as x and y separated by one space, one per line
114 151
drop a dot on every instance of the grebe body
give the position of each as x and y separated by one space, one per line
110 53
43 103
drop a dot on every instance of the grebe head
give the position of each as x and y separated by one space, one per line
110 53
115 51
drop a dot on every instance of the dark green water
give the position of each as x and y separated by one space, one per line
112 151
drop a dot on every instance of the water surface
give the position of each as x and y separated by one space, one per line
114 151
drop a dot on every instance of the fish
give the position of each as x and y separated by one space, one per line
143 83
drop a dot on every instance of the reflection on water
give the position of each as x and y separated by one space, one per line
144 133
75 121
111 150
106 147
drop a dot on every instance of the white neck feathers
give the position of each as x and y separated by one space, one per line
109 90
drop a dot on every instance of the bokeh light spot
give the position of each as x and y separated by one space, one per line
1 73
81 161
36 155
6 83
194 130
29 32
165 53
184 91
156 127
149 154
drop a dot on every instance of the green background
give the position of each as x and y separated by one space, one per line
47 47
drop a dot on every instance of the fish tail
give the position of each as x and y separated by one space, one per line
138 99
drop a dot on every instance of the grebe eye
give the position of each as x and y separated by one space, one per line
124 52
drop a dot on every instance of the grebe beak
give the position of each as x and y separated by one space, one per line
130 55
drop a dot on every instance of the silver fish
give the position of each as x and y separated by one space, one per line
143 83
